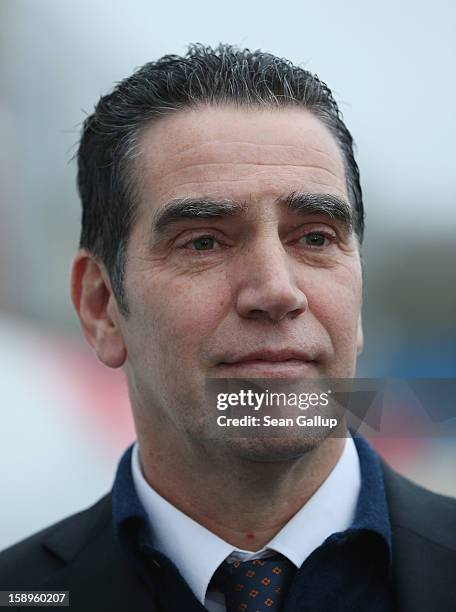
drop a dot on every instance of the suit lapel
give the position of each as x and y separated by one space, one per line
98 574
423 545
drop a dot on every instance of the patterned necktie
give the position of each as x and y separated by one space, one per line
254 586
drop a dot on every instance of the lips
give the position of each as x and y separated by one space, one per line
268 363
269 356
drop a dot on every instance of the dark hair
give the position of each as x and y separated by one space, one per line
203 75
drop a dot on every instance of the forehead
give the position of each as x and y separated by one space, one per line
248 154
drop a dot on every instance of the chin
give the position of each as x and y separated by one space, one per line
272 449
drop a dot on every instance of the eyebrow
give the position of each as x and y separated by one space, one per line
320 204
195 208
296 202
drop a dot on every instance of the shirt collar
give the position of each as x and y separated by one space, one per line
331 509
352 497
177 536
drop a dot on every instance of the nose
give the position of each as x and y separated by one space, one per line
266 284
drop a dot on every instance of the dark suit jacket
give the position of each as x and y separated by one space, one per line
80 554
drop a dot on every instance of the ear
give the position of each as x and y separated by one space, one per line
97 309
359 336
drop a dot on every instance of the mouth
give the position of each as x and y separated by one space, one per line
269 367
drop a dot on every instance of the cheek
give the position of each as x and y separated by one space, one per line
336 302
179 315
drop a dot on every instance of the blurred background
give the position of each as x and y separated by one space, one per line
65 418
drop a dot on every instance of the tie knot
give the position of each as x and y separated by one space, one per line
255 586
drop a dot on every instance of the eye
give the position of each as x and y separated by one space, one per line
202 243
316 239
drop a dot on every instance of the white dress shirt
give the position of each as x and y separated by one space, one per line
330 509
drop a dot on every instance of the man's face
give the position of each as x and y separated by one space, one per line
270 278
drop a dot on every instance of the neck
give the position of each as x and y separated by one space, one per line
242 500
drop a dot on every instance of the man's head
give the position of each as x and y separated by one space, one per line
222 219
107 156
